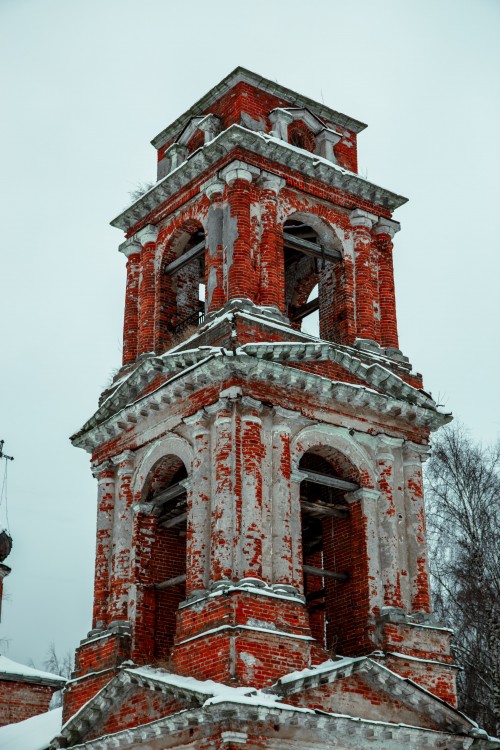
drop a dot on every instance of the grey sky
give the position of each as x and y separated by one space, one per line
85 86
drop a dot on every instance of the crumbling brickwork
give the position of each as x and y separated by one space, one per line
260 489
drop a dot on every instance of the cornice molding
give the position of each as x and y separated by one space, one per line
259 144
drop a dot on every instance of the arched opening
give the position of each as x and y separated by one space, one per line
301 136
327 543
182 291
165 490
312 267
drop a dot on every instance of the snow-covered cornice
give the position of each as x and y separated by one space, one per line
258 144
190 370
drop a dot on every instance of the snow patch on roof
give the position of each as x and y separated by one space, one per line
32 734
7 666
327 666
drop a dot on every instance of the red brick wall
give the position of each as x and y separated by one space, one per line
22 700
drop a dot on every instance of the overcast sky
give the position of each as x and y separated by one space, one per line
85 86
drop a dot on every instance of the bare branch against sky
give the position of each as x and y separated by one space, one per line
85 87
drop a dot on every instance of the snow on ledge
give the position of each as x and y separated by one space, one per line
13 668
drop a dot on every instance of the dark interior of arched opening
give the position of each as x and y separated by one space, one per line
187 272
168 559
326 548
312 280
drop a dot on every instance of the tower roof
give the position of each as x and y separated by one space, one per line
242 75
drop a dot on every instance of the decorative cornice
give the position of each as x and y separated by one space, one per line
192 369
258 144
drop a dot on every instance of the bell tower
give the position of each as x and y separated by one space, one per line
260 504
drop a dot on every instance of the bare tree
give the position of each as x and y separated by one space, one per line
463 517
61 665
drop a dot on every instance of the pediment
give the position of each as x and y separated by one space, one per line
364 688
132 698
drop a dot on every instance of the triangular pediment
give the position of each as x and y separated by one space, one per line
363 688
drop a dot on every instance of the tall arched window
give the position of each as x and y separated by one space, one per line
314 281
326 544
164 489
181 298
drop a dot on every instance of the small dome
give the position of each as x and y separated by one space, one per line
5 545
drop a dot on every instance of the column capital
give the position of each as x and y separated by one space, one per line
98 469
388 444
124 462
210 126
270 181
239 170
360 218
280 120
363 493
177 153
147 234
387 226
325 141
132 246
249 403
213 187
417 452
199 422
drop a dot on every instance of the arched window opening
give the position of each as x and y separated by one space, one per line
311 279
187 273
168 560
326 544
301 136
302 258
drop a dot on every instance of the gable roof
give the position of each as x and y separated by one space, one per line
239 75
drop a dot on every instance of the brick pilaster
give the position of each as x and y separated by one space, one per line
105 474
122 540
362 222
241 277
214 271
272 277
147 295
416 541
132 250
384 232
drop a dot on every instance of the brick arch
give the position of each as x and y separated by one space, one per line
314 216
176 296
173 445
159 553
338 609
339 447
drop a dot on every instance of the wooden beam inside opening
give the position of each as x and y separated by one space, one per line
324 511
174 521
327 481
171 582
309 248
299 313
176 490
312 571
187 257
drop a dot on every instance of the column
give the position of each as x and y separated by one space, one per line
282 550
215 297
388 522
147 238
384 231
122 539
369 501
272 266
132 251
223 494
199 489
252 455
105 475
416 539
362 221
239 267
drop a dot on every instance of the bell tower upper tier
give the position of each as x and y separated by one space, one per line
258 210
